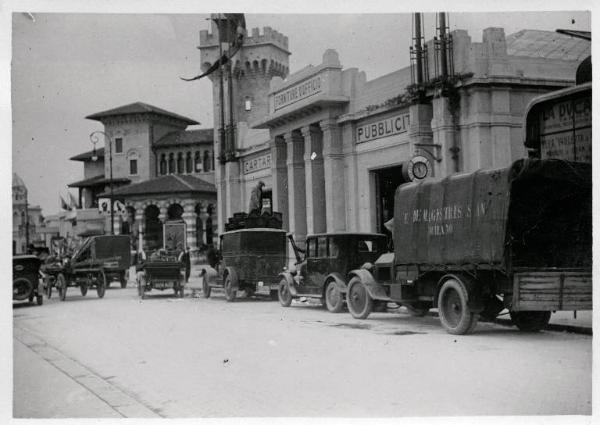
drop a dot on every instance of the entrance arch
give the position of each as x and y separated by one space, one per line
153 237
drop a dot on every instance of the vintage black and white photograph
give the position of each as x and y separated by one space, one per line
319 213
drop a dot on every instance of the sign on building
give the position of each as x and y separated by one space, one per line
298 92
257 163
386 127
174 235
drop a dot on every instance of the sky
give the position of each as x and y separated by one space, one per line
66 66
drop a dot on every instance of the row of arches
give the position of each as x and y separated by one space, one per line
184 163
151 227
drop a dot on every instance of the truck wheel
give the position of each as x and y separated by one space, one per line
83 288
284 294
101 284
334 299
230 291
39 299
359 301
205 288
452 308
530 321
61 284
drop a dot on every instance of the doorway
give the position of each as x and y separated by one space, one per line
386 182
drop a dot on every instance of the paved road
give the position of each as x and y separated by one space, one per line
196 357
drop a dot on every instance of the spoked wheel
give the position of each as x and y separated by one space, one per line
284 294
61 284
101 284
453 310
358 298
83 288
205 287
334 299
530 321
230 290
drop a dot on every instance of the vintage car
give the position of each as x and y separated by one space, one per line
251 260
161 271
329 258
26 279
98 260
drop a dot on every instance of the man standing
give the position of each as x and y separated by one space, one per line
256 198
184 257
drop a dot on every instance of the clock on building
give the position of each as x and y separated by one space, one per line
418 168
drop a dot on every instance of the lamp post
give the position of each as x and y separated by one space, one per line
94 140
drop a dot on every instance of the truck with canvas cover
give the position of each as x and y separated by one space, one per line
474 244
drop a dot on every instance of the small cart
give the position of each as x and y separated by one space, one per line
161 272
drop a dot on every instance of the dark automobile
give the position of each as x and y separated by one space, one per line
251 260
161 271
98 260
26 279
328 260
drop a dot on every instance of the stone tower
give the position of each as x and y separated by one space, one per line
262 57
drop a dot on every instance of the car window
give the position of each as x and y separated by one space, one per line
367 246
311 248
334 249
321 246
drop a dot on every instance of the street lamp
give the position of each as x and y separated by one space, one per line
94 140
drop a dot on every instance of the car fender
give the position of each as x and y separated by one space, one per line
339 282
474 288
375 289
230 271
290 281
211 275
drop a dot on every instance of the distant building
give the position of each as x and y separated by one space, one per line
161 172
26 219
332 146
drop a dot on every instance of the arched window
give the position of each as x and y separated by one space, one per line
197 162
180 163
163 164
188 162
171 163
206 160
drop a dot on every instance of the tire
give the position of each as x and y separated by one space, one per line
61 284
39 299
454 313
205 288
358 299
83 288
25 288
230 291
101 284
530 321
284 294
334 299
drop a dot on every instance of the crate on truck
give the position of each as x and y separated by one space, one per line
473 244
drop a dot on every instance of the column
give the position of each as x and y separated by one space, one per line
140 219
442 125
315 180
203 216
333 166
280 178
296 186
189 217
233 203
